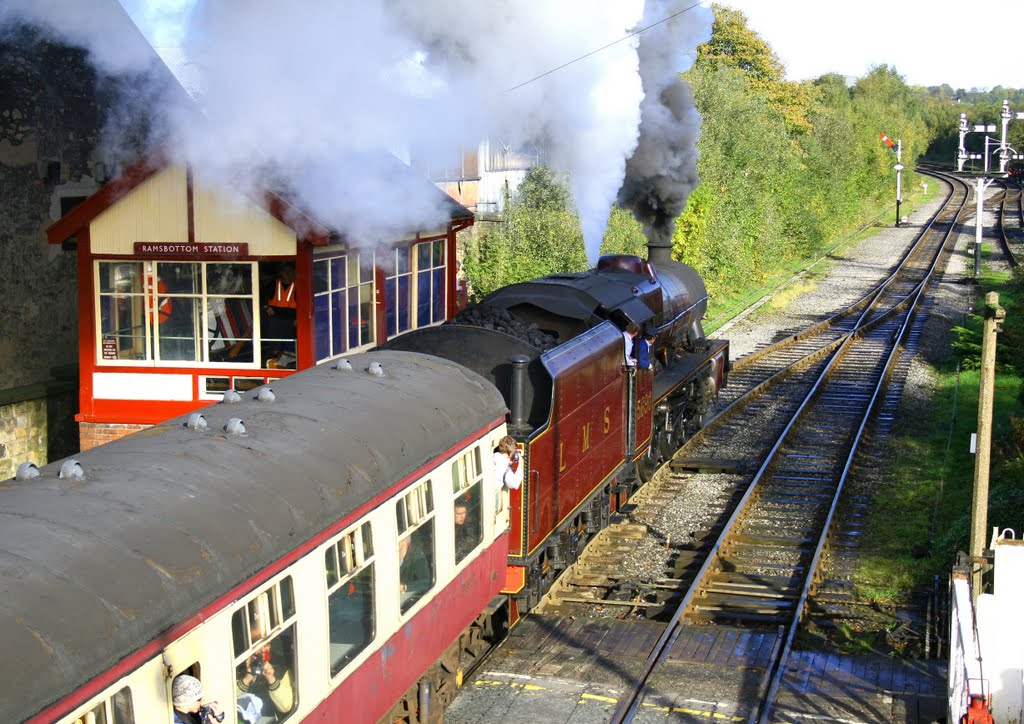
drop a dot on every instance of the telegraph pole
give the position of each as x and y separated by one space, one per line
994 316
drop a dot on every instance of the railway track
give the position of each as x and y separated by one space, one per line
747 563
760 571
1011 220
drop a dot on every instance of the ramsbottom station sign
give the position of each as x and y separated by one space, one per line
185 249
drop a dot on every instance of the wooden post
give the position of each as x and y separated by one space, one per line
994 315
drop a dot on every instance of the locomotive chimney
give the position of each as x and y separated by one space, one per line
517 393
659 250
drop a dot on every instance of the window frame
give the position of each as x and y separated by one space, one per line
150 299
364 559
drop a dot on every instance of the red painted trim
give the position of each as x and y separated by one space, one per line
307 229
86 323
304 337
190 203
154 647
451 308
82 215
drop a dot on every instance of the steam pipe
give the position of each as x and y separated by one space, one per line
659 253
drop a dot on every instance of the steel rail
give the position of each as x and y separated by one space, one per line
629 704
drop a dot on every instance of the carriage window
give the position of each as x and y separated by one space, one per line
348 565
467 477
263 630
115 710
415 514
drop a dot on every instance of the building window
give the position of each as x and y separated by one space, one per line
467 484
343 303
115 710
154 311
398 288
430 282
263 632
348 564
415 517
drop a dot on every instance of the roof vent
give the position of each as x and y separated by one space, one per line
235 426
344 365
72 470
265 395
230 396
375 369
196 421
27 471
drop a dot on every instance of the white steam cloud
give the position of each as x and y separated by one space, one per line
312 92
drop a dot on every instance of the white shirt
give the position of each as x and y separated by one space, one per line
629 349
510 478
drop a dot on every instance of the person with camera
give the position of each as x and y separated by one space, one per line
507 463
260 678
189 706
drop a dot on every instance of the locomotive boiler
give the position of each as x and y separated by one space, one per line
592 427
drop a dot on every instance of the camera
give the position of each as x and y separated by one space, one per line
256 669
516 456
206 715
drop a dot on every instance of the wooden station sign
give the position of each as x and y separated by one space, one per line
191 249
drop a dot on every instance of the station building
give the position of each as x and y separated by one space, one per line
186 290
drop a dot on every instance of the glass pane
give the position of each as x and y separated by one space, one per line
438 253
456 477
353 321
244 384
423 256
367 541
338 327
404 305
229 328
321 276
179 321
404 259
229 279
468 530
423 299
120 278
239 631
122 327
400 515
366 267
266 679
351 618
365 314
438 295
353 272
330 566
322 326
121 706
177 278
390 311
416 570
98 715
338 278
287 597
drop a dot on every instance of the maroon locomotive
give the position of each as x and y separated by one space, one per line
592 428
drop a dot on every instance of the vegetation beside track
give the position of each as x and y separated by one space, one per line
921 515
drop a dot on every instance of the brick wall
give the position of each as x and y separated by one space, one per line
98 433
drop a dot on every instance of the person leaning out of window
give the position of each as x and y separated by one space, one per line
508 464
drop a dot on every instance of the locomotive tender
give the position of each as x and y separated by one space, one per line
279 524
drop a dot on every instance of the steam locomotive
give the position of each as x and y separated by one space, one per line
348 527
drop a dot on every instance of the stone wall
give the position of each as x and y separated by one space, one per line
39 428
